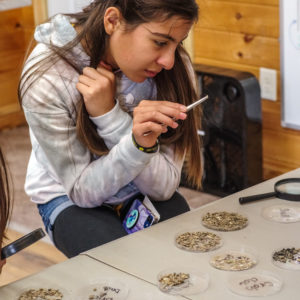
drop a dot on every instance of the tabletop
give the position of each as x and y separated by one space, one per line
131 265
77 279
148 252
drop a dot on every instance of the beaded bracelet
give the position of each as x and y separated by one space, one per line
152 149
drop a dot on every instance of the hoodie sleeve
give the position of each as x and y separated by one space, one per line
88 182
161 176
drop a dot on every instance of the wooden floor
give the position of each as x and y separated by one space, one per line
30 260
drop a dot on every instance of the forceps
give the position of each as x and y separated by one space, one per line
188 108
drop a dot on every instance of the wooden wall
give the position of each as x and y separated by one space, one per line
244 35
16 28
236 34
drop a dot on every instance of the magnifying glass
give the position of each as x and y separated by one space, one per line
287 189
22 243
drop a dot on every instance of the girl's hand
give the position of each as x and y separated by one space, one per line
151 119
97 87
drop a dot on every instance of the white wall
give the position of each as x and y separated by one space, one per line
11 4
290 62
65 6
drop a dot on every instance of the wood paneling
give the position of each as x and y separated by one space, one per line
264 2
16 28
236 48
247 18
244 35
40 11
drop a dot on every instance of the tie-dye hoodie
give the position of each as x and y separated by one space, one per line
60 164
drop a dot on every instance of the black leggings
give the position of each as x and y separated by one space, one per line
79 229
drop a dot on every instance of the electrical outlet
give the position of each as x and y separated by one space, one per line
268 83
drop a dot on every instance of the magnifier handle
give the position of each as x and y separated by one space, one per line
252 198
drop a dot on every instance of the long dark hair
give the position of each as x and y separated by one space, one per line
5 201
172 85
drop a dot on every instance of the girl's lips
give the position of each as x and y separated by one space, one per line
150 73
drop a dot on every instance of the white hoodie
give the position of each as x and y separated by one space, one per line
60 164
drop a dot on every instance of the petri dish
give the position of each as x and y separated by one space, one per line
196 240
103 289
287 258
258 284
282 213
234 260
182 281
44 292
158 295
224 221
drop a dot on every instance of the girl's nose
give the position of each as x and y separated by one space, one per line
166 59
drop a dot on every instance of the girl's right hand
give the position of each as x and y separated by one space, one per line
97 87
152 118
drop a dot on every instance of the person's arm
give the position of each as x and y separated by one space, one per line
161 176
88 182
150 117
160 179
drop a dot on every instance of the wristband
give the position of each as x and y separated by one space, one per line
152 149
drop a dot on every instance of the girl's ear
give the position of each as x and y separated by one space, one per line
112 19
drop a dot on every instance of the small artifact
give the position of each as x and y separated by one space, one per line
287 255
198 241
232 262
224 221
177 280
41 294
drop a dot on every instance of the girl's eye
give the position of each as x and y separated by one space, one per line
160 44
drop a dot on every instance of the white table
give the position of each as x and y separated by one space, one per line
145 253
81 271
136 260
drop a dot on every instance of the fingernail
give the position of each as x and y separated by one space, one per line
182 108
182 116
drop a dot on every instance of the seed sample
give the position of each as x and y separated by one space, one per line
182 280
41 294
198 241
287 255
224 221
174 280
233 261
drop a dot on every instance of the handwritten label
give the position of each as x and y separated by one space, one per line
255 284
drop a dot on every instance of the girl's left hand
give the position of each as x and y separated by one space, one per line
97 87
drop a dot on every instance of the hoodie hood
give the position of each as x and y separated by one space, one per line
58 31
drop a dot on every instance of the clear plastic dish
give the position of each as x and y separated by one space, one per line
43 292
190 281
224 220
103 289
290 262
258 284
282 213
234 259
197 240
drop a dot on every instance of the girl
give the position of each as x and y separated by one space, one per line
104 93
5 204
